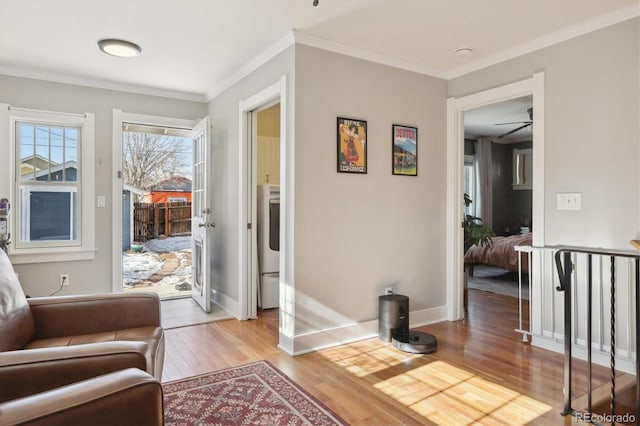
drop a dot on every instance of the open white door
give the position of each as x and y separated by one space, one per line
201 224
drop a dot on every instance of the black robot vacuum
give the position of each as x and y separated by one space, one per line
393 326
415 342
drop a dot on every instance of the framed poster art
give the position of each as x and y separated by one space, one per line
405 150
352 145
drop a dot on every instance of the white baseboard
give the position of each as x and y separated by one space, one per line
285 344
427 316
317 340
230 305
598 357
547 343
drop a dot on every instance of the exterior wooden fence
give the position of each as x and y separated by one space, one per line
151 220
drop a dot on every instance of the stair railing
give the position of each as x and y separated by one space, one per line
565 269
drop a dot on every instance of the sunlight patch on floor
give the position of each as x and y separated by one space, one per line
450 395
365 357
438 391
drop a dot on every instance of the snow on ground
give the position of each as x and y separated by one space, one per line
166 245
140 266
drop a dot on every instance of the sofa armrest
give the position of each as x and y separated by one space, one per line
76 315
30 371
125 397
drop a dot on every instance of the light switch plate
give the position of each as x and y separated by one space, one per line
102 201
569 201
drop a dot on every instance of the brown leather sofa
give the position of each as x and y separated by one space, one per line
125 397
50 342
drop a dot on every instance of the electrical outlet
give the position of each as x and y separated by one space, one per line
64 279
388 290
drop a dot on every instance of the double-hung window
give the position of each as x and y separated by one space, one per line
51 191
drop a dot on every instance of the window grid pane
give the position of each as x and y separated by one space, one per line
48 153
198 172
48 183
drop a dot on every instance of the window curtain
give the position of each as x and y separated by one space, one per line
484 186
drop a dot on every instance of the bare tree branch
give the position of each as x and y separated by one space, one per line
149 158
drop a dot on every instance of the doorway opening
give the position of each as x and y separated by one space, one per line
498 192
175 312
157 165
267 195
456 110
248 268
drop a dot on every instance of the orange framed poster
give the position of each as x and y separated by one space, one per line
352 145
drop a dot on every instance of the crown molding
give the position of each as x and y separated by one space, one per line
594 24
255 63
23 72
296 36
321 43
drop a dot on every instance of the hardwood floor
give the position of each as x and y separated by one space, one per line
482 372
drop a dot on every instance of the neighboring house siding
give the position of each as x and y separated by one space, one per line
164 196
70 175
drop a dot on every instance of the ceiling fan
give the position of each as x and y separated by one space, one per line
524 124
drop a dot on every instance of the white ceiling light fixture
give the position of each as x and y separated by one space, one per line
463 52
120 48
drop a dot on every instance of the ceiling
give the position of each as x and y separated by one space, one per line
482 122
193 49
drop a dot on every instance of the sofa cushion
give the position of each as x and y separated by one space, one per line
16 321
151 335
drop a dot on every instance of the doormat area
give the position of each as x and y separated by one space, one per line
185 312
498 280
252 394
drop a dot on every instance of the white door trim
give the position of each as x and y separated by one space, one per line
276 92
455 160
120 117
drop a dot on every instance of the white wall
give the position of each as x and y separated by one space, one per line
85 276
592 106
592 135
358 233
224 112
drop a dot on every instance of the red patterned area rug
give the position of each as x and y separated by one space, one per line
252 394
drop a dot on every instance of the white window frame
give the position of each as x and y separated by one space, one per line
23 213
470 160
45 251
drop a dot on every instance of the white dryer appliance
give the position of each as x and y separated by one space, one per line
269 245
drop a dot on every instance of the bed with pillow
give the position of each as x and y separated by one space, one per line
500 253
